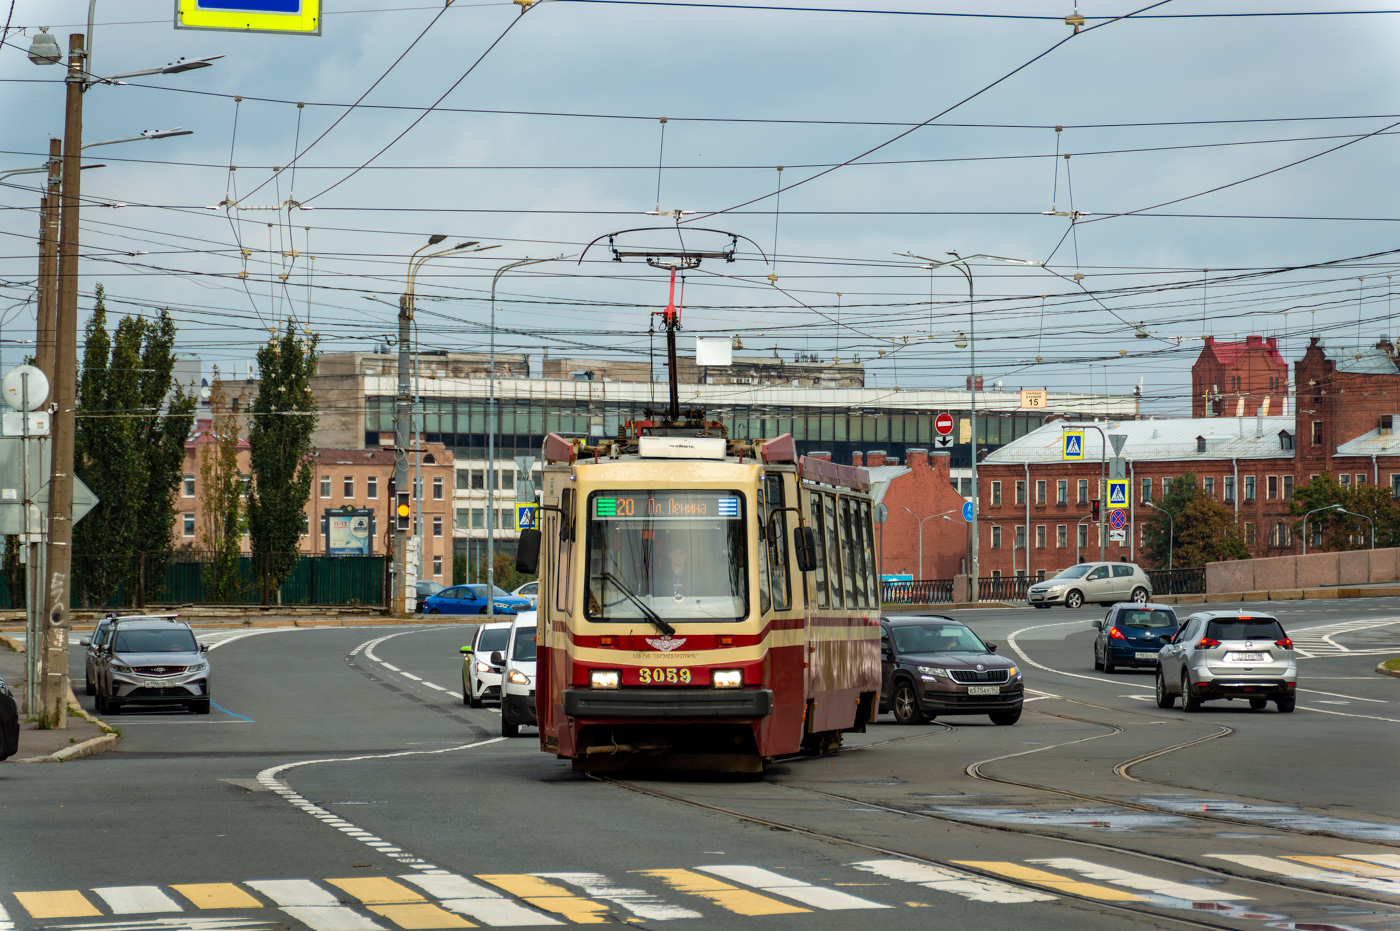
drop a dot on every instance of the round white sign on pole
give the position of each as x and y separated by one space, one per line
14 390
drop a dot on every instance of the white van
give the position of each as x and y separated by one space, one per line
517 662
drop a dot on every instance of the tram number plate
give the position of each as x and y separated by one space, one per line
984 690
1245 657
668 675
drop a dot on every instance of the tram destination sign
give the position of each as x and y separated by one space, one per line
666 505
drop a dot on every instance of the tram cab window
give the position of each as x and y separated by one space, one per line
776 542
819 574
678 555
851 553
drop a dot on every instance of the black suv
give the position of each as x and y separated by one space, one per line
151 660
932 665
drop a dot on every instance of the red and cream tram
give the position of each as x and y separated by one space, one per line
703 603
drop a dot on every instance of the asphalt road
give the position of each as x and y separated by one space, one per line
341 785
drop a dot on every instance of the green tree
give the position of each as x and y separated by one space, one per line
1201 529
506 576
1328 529
222 500
129 447
1379 504
283 417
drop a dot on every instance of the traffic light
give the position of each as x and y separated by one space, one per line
1094 509
403 514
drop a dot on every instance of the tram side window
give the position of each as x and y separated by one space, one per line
765 600
564 564
833 550
860 543
849 548
872 580
777 545
819 575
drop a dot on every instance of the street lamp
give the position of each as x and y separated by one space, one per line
1363 517
1076 536
961 264
1325 507
402 403
491 436
921 520
1171 530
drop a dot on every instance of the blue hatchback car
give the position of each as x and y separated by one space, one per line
471 599
1132 635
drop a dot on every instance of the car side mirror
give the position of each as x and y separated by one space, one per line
204 648
527 552
498 658
991 647
466 651
1098 625
84 643
804 547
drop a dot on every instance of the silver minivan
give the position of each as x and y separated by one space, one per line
1101 582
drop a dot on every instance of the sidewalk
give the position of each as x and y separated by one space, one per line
84 735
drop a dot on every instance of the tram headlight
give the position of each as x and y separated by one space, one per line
727 678
604 679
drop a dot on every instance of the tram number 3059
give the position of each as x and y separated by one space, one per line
663 676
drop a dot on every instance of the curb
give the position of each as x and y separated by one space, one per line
1380 668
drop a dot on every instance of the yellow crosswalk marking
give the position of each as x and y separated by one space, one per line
217 895
741 901
68 903
377 890
1345 865
1050 880
420 916
549 897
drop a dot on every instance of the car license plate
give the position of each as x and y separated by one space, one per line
156 683
1144 655
984 690
1244 658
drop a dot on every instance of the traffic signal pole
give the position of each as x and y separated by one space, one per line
398 597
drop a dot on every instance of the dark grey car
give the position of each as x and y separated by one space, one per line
94 646
151 661
932 665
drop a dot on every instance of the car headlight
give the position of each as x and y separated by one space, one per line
1012 673
1054 588
604 679
482 668
197 667
516 677
118 667
935 671
727 678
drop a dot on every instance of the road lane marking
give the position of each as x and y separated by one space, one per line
137 900
67 903
217 895
377 890
332 918
1051 881
1345 865
639 902
461 895
1311 874
293 892
777 884
549 897
942 879
1384 859
1140 882
732 898
422 916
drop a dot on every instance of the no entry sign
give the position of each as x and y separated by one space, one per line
943 423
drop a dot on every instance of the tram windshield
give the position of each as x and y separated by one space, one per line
668 555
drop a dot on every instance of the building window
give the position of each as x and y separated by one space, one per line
464 478
305 524
1345 479
325 486
372 487
478 479
437 489
1061 536
996 537
417 488
477 518
1040 491
996 494
965 486
1317 433
189 525
348 486
189 485
1249 488
1395 484
1208 485
1083 536
1040 536
437 565
1281 535
245 484
1146 490
1062 491
1020 543
1166 487
462 520
437 526
1360 478
505 519
1248 533
507 479
1020 492
1229 489
1287 486
1271 487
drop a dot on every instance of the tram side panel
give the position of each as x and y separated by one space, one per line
557 551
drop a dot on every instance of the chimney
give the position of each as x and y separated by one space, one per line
1210 341
941 463
858 460
823 456
969 382
916 458
1254 340
876 458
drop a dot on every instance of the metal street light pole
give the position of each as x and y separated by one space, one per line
921 533
961 264
1076 537
1171 532
1326 507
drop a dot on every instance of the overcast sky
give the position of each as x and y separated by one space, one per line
1212 157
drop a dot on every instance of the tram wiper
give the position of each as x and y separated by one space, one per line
647 612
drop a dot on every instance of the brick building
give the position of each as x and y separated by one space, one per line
1239 379
922 501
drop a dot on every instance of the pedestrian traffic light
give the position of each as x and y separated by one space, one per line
403 514
1094 509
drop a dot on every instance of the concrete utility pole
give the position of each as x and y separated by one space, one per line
47 297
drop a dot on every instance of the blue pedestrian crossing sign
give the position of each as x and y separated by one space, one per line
525 516
1072 444
299 17
1117 494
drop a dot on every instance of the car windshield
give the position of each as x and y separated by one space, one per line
1245 629
936 638
676 555
1074 572
430 587
479 591
524 646
1146 619
493 639
172 640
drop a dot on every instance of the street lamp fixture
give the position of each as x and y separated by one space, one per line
1171 530
1325 507
921 520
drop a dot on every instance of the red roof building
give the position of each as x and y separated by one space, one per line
1239 379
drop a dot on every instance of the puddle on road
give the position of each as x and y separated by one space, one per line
1288 817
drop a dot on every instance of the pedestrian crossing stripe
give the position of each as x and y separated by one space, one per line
429 901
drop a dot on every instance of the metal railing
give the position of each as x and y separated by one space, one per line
1005 588
921 592
1188 581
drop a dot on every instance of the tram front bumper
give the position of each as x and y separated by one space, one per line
668 703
